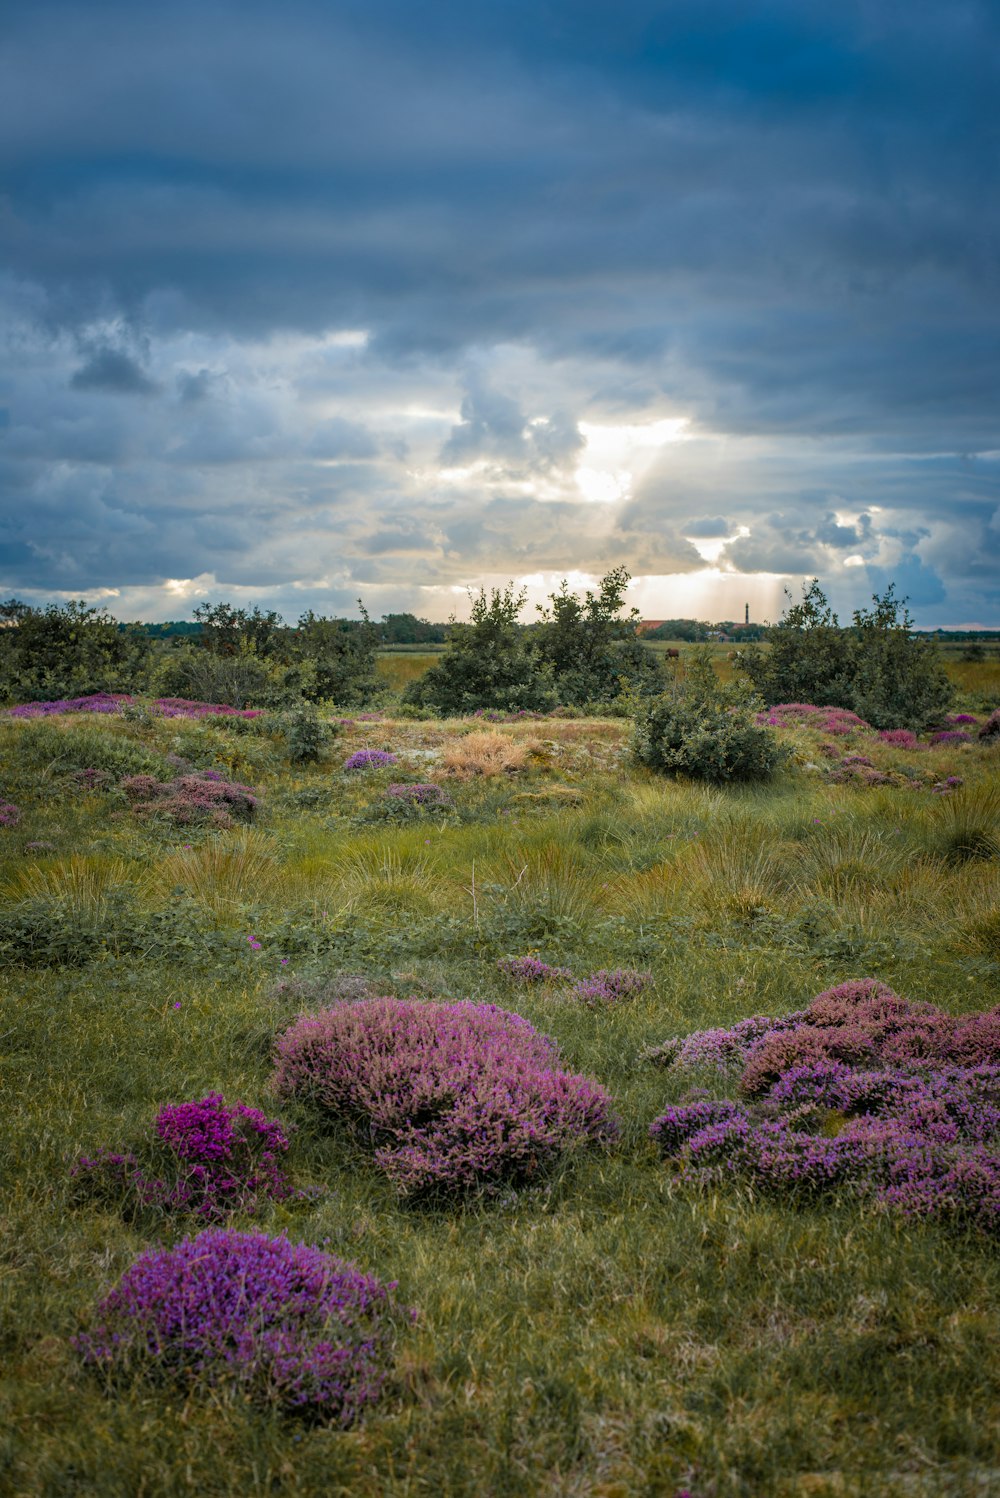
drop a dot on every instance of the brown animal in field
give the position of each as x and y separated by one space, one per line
673 655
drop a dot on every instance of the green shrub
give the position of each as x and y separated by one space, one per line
490 662
41 748
305 733
703 729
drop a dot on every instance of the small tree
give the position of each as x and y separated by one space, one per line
341 654
65 651
705 728
899 680
490 662
810 657
593 647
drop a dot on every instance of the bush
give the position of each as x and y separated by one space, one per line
306 734
453 1096
877 667
593 648
205 1157
282 1324
203 796
705 730
62 651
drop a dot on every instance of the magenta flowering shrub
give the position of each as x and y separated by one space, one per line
10 814
531 970
283 1324
201 796
113 702
611 986
900 738
452 1096
836 720
951 736
864 1090
370 759
206 1157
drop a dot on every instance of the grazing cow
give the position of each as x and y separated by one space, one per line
673 655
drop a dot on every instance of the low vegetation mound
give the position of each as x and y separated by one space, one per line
283 1324
205 1157
116 702
862 1090
454 1096
202 796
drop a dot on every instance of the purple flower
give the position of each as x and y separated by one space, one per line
612 986
10 814
531 970
281 1323
369 759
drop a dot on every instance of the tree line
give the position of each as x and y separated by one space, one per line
584 651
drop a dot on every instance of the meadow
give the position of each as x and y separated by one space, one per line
617 1325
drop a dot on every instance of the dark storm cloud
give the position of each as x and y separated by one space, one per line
112 370
781 220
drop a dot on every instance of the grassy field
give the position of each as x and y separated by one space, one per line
612 1331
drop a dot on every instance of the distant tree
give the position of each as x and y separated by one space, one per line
341 654
809 659
407 629
691 630
490 662
877 666
226 630
898 678
65 650
592 645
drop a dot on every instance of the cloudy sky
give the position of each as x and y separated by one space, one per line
308 301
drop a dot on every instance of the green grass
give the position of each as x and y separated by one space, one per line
611 1332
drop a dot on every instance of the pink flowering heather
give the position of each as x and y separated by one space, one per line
206 1157
283 1324
10 814
951 736
866 1091
370 759
201 796
611 986
113 702
836 720
531 970
453 1096
899 738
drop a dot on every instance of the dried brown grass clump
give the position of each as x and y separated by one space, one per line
487 754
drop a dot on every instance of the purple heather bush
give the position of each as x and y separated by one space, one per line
531 970
10 814
611 986
282 1324
453 1096
836 720
900 738
113 702
951 736
201 796
864 1090
370 759
206 1157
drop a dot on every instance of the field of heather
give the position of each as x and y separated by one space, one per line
470 1111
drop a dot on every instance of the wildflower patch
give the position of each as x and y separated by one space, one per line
893 1100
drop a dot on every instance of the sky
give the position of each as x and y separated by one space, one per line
308 302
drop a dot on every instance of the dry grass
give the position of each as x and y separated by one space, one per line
488 754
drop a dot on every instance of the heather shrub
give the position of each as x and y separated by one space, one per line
531 970
369 759
611 986
10 814
48 749
892 1100
453 1096
278 1323
207 1157
203 796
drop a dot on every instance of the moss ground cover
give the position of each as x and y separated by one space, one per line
613 1326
